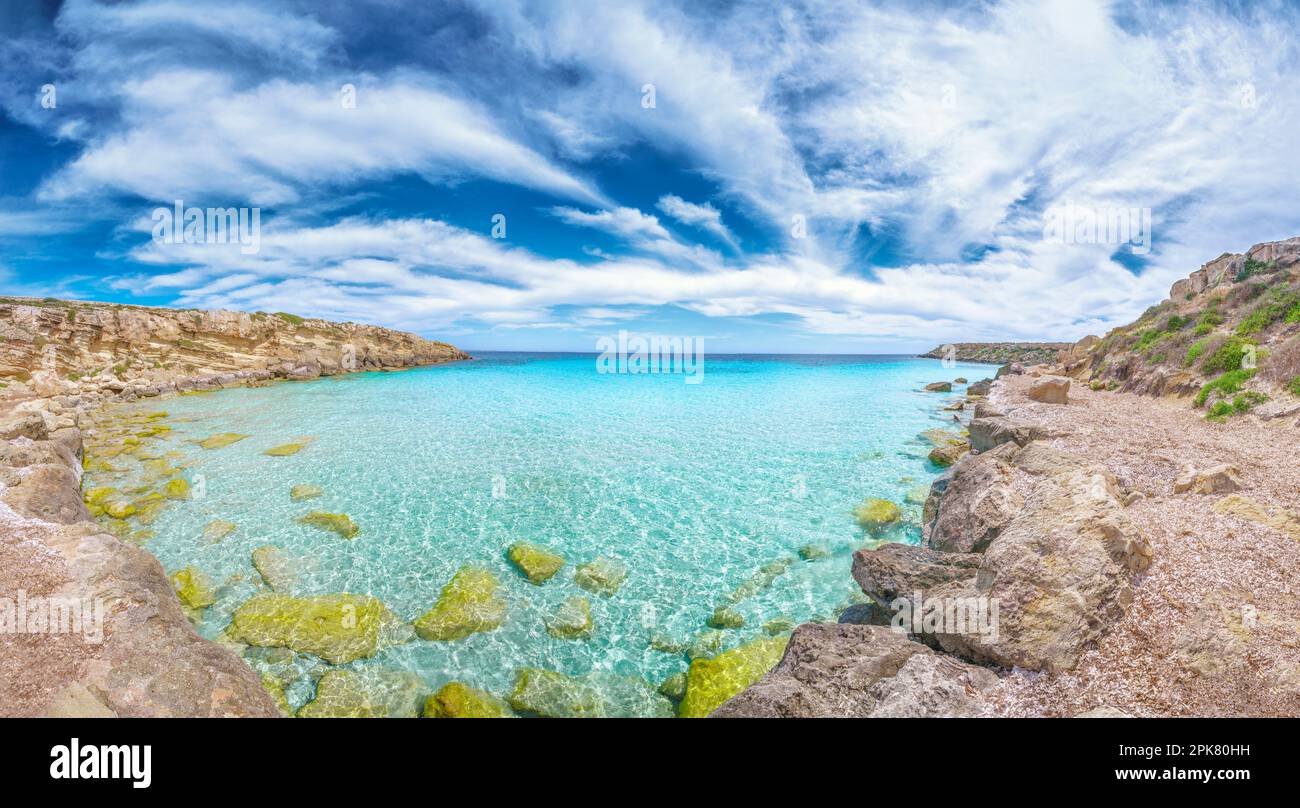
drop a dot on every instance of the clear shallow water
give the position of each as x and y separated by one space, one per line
694 486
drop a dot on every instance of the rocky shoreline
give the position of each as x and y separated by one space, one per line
62 362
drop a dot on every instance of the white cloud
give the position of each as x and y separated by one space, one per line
628 223
705 217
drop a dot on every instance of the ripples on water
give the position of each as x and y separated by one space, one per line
694 486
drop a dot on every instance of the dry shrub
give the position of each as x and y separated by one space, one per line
1283 363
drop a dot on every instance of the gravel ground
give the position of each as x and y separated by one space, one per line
1214 627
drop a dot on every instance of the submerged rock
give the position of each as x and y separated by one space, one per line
939 387
305 492
876 514
537 564
193 588
218 529
338 628
221 440
596 695
285 450
723 617
366 694
276 568
603 575
339 523
458 700
710 682
467 604
178 488
813 552
572 621
674 687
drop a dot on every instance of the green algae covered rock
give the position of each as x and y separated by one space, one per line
813 552
537 564
218 529
467 604
178 488
98 495
338 628
875 514
366 694
572 621
221 440
193 588
674 687
603 575
276 690
339 523
595 695
710 682
723 617
286 449
305 492
458 700
118 509
275 568
706 645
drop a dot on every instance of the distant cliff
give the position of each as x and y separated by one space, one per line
999 353
65 346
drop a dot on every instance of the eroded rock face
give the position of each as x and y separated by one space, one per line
988 433
858 671
977 503
1058 568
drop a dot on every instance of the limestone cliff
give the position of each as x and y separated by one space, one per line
998 353
70 347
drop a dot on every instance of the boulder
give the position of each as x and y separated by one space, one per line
1050 390
979 388
987 433
468 604
860 671
939 387
949 453
1009 369
537 564
305 492
221 440
723 618
1220 479
977 502
711 682
194 589
218 529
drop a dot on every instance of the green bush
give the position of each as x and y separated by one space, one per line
1225 385
1219 411
1251 267
1194 351
1293 386
1229 356
1281 304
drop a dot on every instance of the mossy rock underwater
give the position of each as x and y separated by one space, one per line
193 588
467 604
572 620
596 695
339 523
459 700
710 682
603 575
537 564
876 514
221 440
367 694
305 492
338 628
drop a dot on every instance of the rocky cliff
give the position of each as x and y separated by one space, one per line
999 353
66 347
126 647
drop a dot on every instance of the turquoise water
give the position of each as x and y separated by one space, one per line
694 486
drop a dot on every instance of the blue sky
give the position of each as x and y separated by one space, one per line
922 146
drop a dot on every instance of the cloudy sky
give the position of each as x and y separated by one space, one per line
784 177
